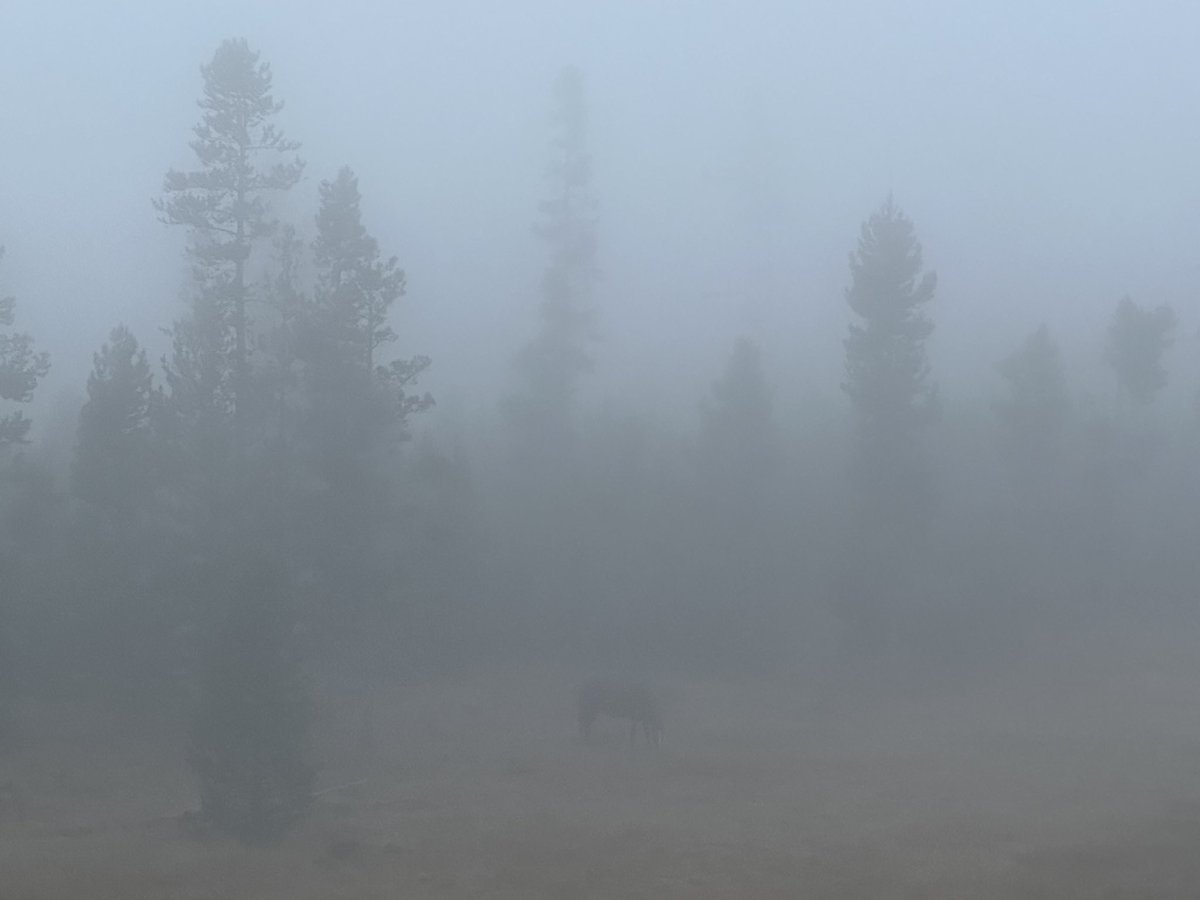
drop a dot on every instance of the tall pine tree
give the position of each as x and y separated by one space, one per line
365 402
248 734
549 368
356 406
356 287
887 372
242 158
887 380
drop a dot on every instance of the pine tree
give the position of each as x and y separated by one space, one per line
366 401
242 159
113 456
550 367
887 373
1137 340
355 407
356 287
21 367
887 380
121 550
247 743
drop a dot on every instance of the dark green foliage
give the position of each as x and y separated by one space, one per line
1137 340
21 367
250 735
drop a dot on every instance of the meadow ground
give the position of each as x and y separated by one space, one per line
1080 782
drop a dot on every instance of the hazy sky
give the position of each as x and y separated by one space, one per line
1047 152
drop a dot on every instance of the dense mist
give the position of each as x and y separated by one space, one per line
397 403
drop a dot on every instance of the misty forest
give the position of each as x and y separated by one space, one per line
529 510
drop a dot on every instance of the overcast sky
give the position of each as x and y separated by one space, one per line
1047 153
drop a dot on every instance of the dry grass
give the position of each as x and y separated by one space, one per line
479 788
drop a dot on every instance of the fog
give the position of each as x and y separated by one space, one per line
811 389
1044 153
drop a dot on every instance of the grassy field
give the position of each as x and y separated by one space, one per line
1037 785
